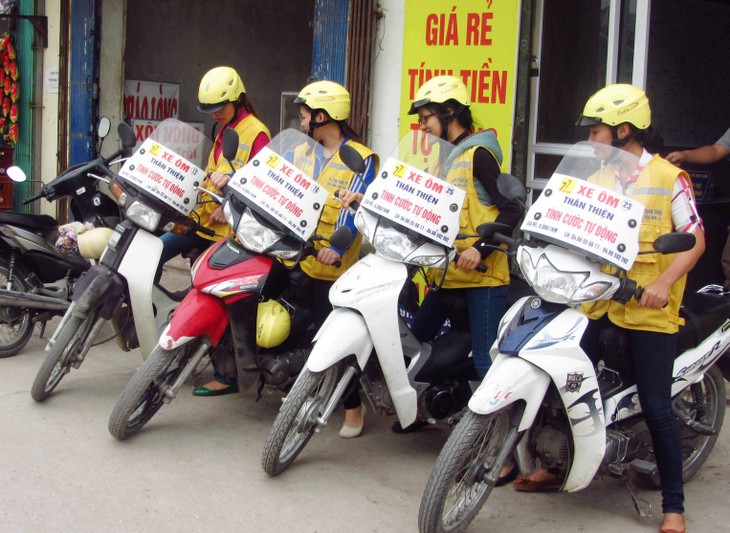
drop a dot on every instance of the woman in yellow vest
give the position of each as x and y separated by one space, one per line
324 107
223 95
619 115
442 105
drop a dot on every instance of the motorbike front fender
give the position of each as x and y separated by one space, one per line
343 333
509 380
199 314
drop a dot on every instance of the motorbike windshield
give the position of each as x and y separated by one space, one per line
277 184
584 208
167 166
417 190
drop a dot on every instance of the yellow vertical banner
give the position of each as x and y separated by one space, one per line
474 40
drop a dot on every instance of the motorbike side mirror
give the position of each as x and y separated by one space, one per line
16 174
673 243
512 189
341 238
126 134
352 158
229 145
105 125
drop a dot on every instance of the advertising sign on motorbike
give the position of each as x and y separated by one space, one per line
164 174
422 202
282 190
581 215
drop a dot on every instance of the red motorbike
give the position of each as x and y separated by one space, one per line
231 280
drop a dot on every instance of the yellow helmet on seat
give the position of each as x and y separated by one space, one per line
438 90
329 96
616 104
218 87
273 324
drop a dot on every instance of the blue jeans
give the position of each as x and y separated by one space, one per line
174 244
653 362
485 307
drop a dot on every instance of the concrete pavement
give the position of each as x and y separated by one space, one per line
196 467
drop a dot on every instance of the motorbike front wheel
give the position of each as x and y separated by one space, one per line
297 418
71 344
457 487
701 405
145 393
16 324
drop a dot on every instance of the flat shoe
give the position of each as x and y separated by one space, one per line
350 432
551 484
415 426
509 476
205 391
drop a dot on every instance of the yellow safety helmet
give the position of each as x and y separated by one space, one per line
218 87
616 104
438 90
273 324
328 96
93 242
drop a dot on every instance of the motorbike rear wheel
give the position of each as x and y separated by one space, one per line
296 421
457 488
702 403
144 395
16 324
74 339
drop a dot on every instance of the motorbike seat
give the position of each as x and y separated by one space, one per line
703 313
35 223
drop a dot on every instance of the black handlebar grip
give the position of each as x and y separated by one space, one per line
206 231
33 198
479 268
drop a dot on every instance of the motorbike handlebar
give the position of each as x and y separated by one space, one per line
479 268
34 198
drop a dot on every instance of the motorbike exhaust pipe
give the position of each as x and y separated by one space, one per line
31 301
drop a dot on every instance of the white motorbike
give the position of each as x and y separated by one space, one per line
156 189
411 219
542 400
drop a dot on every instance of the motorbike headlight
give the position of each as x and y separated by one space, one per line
393 244
255 236
228 214
361 224
556 285
143 215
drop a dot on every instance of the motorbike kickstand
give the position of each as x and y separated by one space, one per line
642 506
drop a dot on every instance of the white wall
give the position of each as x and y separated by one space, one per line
388 59
111 68
49 111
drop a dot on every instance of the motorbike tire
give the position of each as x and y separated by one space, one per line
295 423
16 325
145 393
705 403
72 342
456 491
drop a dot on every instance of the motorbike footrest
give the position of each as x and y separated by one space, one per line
641 466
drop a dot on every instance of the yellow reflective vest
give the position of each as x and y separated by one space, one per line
653 188
334 176
473 213
248 129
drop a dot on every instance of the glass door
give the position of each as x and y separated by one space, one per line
579 47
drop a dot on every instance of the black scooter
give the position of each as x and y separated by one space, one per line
36 279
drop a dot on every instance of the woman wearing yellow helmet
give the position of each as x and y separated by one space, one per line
619 115
324 108
223 95
442 106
